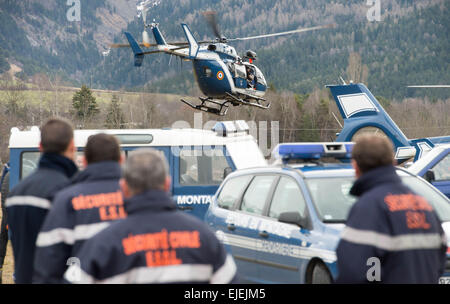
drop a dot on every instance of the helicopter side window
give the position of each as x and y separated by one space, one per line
207 72
231 68
251 78
240 71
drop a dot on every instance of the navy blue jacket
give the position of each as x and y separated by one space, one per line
78 212
391 223
156 243
27 205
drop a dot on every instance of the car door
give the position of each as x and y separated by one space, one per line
244 222
282 245
220 216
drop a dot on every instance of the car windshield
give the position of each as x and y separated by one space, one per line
333 202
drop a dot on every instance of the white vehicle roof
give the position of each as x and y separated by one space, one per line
242 147
422 162
161 137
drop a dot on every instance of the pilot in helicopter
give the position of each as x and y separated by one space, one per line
250 77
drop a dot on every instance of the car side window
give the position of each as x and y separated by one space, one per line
287 198
442 169
256 195
231 191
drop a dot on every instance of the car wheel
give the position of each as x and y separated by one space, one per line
320 274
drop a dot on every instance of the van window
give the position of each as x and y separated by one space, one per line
199 167
231 191
29 162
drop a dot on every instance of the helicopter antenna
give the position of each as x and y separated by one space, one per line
339 123
343 81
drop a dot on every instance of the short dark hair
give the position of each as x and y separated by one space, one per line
372 151
56 135
102 147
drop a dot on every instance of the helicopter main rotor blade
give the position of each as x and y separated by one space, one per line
178 43
430 86
210 17
126 45
301 30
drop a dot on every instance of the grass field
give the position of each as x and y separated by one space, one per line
8 266
46 98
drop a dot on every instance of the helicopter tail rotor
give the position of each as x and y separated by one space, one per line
211 19
145 39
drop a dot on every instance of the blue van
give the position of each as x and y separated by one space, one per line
198 159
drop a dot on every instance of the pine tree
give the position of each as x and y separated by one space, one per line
115 119
85 105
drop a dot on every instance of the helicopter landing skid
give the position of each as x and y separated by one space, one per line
206 107
236 100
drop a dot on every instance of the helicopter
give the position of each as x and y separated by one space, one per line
223 76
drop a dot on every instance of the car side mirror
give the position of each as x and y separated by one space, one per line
227 171
429 176
293 218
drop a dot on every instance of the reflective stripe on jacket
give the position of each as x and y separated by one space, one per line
78 213
391 223
156 243
27 205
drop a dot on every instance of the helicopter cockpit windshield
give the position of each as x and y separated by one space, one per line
259 76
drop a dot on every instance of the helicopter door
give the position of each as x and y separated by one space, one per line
240 76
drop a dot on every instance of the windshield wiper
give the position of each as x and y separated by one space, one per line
334 221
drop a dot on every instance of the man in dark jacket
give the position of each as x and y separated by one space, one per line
156 243
80 211
392 235
4 182
29 201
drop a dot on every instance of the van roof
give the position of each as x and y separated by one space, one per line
155 137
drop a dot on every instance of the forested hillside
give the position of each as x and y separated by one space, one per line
408 46
37 36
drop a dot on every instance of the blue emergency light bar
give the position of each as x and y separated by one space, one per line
225 128
312 151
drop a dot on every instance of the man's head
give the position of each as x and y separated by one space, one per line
145 169
371 152
57 137
101 147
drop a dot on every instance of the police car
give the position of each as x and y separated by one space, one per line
435 168
282 223
198 159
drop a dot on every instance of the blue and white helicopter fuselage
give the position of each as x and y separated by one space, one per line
220 73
